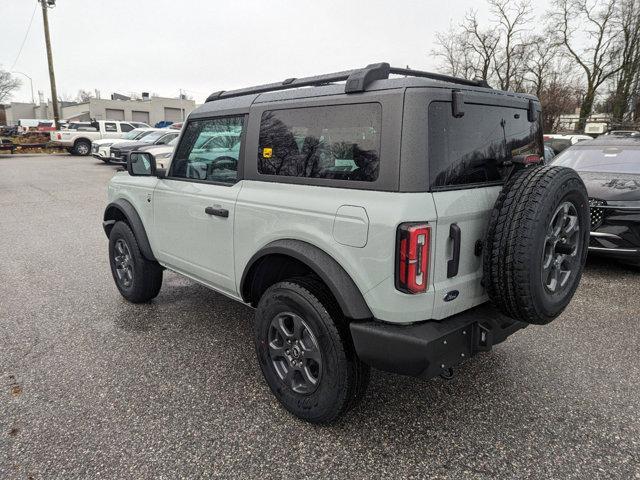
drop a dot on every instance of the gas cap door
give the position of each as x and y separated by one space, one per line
351 226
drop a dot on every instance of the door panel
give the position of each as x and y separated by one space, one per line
191 241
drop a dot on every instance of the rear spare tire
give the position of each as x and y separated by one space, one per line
536 243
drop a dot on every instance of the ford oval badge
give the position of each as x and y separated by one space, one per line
452 295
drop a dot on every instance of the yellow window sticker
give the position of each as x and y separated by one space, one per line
267 152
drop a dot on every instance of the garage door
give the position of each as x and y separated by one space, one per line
172 114
137 116
114 114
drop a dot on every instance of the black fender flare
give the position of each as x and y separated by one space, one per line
343 288
122 208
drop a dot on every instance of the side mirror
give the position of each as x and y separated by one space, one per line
141 164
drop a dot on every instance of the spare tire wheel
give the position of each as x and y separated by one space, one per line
536 244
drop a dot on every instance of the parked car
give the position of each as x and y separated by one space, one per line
610 168
101 149
350 225
558 142
161 153
78 141
120 151
622 133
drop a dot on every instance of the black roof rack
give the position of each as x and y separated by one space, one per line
356 81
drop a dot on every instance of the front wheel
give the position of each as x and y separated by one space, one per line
138 279
305 351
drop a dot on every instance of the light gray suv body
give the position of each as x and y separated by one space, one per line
358 219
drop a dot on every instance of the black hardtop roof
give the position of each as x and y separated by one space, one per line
371 78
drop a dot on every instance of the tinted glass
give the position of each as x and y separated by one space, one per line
209 150
472 149
601 159
336 142
110 127
125 127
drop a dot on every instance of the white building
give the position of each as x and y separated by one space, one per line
149 110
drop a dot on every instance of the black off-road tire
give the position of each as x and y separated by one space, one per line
82 147
146 275
343 379
517 243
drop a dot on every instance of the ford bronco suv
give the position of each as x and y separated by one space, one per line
379 217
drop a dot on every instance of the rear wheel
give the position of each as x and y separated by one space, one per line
82 147
305 351
537 243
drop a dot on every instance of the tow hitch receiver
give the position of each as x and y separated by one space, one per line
431 348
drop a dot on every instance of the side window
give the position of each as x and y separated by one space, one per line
110 127
340 142
209 150
125 127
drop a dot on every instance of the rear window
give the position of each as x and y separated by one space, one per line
340 142
470 150
601 159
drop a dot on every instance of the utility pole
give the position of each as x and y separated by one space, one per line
46 4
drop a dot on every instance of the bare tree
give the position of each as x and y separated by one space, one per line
495 52
592 21
8 85
511 18
626 81
455 57
84 96
481 43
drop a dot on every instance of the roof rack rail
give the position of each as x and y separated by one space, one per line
356 81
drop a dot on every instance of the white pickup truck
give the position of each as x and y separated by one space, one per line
78 141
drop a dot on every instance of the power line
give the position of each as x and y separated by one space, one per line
33 14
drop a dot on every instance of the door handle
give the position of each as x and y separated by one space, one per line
218 212
454 263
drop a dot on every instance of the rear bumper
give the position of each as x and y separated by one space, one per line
429 348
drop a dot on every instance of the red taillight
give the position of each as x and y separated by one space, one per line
412 257
59 137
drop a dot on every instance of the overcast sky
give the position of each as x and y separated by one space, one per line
162 46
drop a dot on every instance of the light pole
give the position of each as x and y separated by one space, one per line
33 98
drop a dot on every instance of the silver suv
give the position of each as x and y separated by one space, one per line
404 223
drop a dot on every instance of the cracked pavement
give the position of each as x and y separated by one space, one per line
94 387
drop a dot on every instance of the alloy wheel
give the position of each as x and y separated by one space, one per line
123 263
295 353
561 246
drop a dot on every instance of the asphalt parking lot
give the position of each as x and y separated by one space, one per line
94 387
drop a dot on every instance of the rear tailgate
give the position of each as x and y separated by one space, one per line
466 156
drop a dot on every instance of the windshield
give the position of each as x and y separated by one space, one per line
601 159
132 135
153 136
